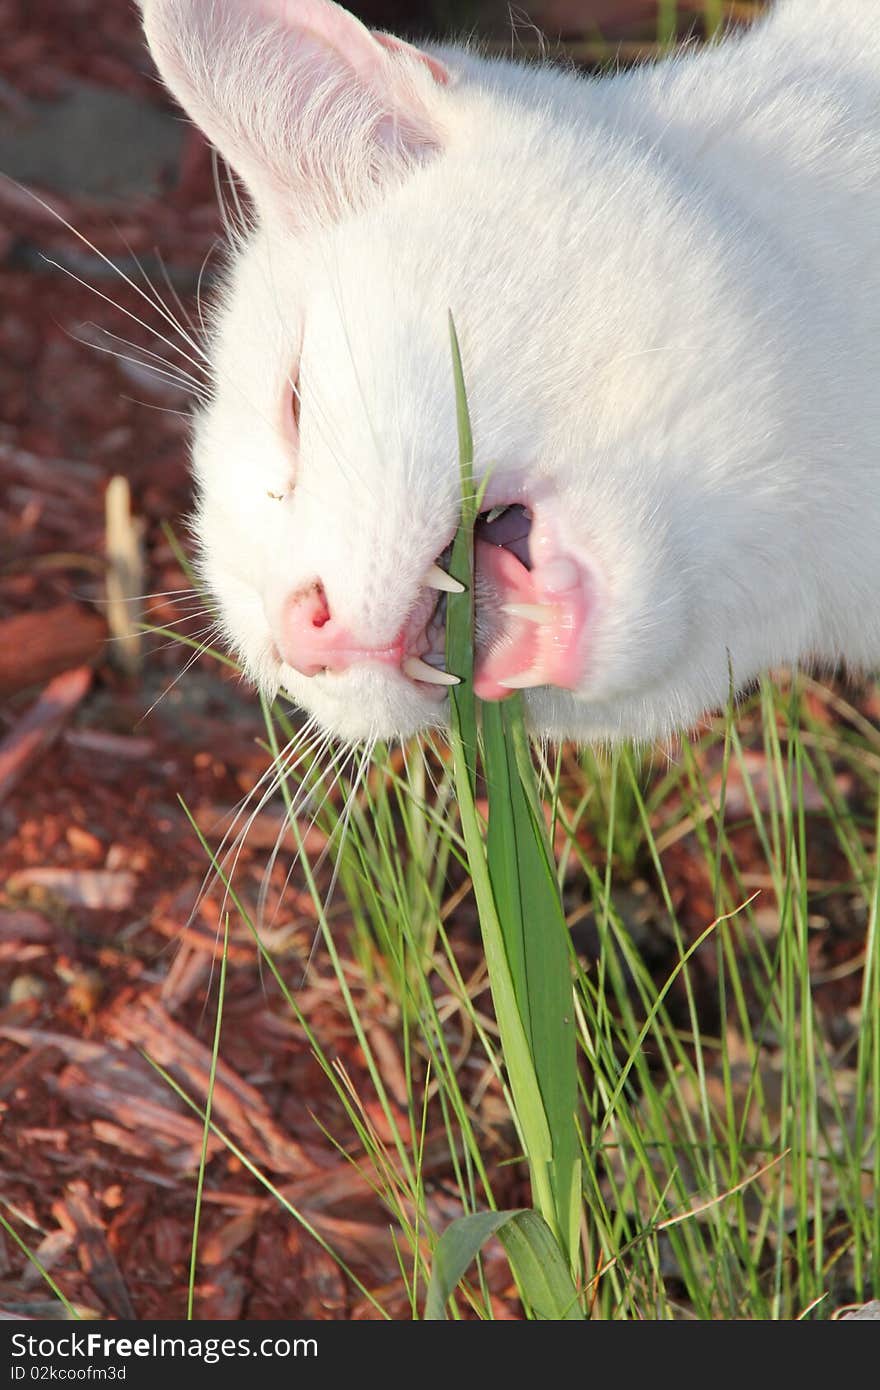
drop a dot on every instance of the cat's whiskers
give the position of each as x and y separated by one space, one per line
208 632
442 793
207 610
236 234
107 299
311 741
271 775
185 329
176 376
214 631
201 361
203 327
177 595
321 750
155 303
342 824
274 775
182 374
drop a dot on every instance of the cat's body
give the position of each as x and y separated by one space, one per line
667 288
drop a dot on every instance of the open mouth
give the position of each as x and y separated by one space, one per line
531 603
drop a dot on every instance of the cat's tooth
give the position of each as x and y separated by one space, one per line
531 612
436 578
494 514
524 681
419 670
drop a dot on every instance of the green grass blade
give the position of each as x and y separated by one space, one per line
529 1107
524 880
530 1111
457 1248
206 1130
540 1268
460 607
524 933
265 1182
535 1258
38 1266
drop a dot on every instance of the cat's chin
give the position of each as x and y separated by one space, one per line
561 716
366 704
360 707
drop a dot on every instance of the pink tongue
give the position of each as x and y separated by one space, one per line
542 647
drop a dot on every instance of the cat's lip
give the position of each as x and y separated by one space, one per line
532 599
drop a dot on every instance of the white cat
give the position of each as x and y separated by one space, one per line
667 289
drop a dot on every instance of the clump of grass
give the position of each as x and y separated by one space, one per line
521 917
699 1140
700 1137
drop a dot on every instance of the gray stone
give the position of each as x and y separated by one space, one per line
93 141
867 1310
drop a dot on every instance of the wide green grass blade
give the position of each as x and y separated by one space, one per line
535 1258
523 925
540 1268
458 1247
460 607
526 891
528 1104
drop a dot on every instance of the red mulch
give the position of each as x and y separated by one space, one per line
107 951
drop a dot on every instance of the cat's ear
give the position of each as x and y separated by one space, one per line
311 109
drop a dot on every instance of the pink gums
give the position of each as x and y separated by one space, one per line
523 652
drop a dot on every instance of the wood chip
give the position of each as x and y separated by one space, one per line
79 1214
120 1138
23 925
76 1049
125 575
40 725
238 1107
220 1244
190 971
36 646
106 889
125 747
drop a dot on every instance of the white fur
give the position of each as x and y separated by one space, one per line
667 288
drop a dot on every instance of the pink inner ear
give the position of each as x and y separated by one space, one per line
344 32
334 24
341 30
434 66
264 80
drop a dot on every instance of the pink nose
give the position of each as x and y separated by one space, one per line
312 640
